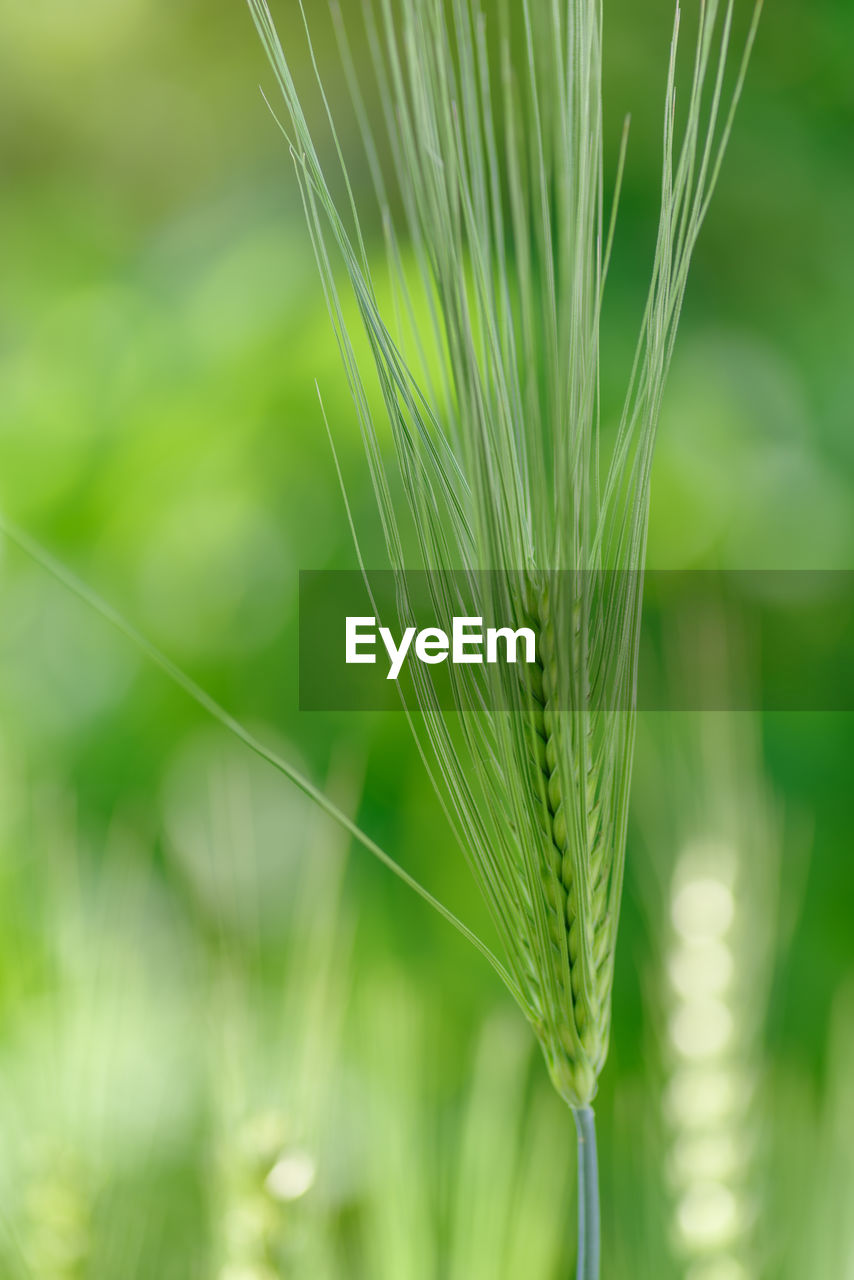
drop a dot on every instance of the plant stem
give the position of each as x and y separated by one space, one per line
588 1195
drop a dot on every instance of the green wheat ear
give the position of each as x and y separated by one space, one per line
488 368
489 374
577 890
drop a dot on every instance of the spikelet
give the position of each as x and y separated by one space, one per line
576 1050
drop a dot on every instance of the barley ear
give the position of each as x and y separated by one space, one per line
487 369
488 372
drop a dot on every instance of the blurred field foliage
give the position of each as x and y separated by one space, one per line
228 1048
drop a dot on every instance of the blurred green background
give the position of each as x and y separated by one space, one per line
187 1006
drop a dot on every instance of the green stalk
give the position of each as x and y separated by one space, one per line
588 1195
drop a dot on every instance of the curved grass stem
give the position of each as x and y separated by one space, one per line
37 553
588 1195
